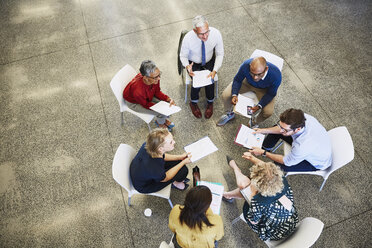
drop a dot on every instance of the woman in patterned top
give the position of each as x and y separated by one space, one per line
269 209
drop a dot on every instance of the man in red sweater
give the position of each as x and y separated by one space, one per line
144 91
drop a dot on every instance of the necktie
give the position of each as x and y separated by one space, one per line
203 53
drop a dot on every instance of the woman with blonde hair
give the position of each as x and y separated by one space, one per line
194 224
269 208
153 168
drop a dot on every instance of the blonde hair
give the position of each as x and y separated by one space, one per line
267 178
154 141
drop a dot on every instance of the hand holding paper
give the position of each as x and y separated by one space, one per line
201 79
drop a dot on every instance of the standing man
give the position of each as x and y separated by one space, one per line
256 75
311 144
144 91
197 50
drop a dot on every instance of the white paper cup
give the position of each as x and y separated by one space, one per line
148 212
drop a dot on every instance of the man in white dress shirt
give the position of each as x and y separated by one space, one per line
202 49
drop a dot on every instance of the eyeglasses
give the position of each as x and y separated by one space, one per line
156 77
284 130
202 34
258 74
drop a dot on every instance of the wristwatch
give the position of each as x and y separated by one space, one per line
264 154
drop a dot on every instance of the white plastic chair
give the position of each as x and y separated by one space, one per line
306 234
166 245
272 58
118 83
120 172
342 153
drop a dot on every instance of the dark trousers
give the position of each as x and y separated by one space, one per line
270 142
209 89
179 177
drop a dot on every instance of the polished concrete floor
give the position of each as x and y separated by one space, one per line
60 122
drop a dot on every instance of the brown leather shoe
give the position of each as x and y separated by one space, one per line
195 110
209 111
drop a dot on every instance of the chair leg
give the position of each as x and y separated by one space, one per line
185 92
122 118
216 86
235 220
277 146
128 201
321 187
170 203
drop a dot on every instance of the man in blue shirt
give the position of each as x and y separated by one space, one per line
311 144
255 75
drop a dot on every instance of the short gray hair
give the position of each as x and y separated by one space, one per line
199 21
147 67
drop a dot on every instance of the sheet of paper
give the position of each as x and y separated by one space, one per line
201 148
162 107
200 79
246 138
241 106
217 190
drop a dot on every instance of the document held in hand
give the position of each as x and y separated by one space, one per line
243 103
246 138
201 79
201 148
163 108
217 190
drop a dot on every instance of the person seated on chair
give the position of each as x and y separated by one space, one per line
269 208
194 224
152 169
311 144
196 54
144 91
259 76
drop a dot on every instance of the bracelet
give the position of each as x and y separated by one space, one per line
264 154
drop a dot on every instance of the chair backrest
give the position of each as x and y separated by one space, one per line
306 234
118 83
272 58
342 147
120 166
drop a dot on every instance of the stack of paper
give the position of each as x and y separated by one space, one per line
243 103
201 148
164 108
246 138
201 79
217 190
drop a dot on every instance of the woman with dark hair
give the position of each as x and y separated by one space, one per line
152 169
194 224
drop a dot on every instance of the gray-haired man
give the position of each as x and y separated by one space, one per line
198 47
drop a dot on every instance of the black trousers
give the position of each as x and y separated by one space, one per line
270 142
209 89
179 177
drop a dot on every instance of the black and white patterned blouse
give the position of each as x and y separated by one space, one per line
274 222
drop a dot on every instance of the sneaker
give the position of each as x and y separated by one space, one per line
226 118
